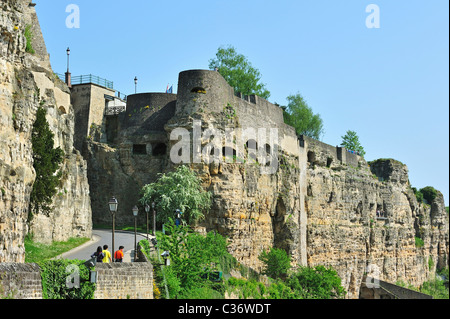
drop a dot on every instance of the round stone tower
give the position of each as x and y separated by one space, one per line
202 91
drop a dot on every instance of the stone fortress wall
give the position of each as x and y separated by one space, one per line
319 205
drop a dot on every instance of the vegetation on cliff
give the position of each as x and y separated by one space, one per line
197 259
46 162
351 142
427 193
238 72
301 117
180 189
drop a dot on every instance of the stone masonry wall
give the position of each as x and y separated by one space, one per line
124 281
114 281
20 281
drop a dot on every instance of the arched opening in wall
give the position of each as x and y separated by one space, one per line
198 90
252 149
280 233
267 158
229 154
159 149
62 109
329 161
140 149
311 157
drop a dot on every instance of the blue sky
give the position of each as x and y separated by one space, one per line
389 84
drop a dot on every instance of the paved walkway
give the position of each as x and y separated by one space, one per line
102 237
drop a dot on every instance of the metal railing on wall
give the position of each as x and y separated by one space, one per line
84 79
89 78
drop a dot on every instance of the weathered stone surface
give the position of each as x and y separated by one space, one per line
319 206
344 232
27 82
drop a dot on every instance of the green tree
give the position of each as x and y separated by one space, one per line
238 72
192 255
277 263
46 162
300 116
316 283
180 189
351 142
429 193
419 195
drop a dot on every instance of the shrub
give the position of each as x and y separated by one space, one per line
429 193
316 283
54 275
277 263
419 242
419 196
435 288
192 255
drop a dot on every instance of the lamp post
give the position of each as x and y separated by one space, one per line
68 75
147 210
135 84
154 219
113 204
135 214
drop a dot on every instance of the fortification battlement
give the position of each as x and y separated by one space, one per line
208 91
148 112
323 154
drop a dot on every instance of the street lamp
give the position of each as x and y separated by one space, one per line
68 75
154 219
147 210
135 214
135 84
68 54
113 204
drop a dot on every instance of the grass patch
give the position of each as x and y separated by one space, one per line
37 252
29 37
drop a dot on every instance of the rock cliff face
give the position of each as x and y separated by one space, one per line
344 231
320 205
27 82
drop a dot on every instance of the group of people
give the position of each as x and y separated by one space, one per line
380 213
103 255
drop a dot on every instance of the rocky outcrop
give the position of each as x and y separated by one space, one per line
345 232
27 82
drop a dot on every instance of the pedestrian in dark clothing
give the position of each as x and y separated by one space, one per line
98 254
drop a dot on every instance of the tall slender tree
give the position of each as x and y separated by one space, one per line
46 162
351 142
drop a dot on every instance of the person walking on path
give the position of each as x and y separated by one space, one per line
107 258
118 255
98 255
